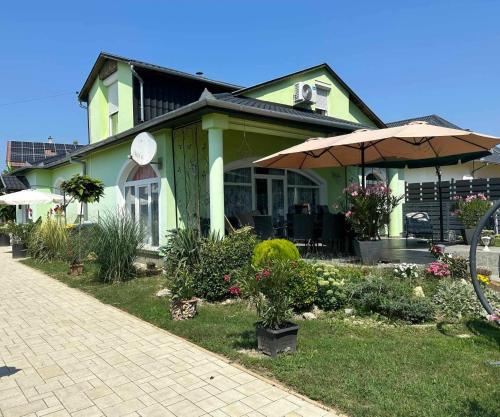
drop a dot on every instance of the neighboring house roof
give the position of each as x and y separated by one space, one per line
494 158
103 56
432 119
222 103
13 183
352 95
21 153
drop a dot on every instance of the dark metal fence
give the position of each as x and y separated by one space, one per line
424 196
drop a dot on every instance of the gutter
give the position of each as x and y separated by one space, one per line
72 160
141 90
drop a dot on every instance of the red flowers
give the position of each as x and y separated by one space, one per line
227 278
265 273
235 291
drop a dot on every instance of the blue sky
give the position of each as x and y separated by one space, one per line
403 58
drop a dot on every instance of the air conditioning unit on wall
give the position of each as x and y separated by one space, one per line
304 93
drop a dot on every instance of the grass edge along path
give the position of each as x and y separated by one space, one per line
363 370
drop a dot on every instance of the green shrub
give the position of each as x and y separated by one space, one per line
219 258
391 299
21 232
116 241
270 250
48 241
457 299
302 284
181 251
181 285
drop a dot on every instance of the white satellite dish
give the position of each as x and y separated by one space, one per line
143 148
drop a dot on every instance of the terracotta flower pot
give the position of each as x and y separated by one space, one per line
184 309
76 269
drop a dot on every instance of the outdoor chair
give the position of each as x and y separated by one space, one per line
245 219
333 232
303 229
263 226
419 224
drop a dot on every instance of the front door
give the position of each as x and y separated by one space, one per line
270 197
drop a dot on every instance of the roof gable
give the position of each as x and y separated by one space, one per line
103 64
367 114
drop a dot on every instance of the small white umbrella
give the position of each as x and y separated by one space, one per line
30 197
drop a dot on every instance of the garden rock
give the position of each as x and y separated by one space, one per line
349 312
309 316
165 292
418 292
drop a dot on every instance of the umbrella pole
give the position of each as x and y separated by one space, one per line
363 179
440 193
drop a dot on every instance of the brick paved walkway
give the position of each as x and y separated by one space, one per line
63 353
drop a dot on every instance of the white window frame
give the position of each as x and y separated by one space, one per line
142 183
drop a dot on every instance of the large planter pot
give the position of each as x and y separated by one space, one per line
19 250
4 240
76 269
272 342
467 235
184 309
369 251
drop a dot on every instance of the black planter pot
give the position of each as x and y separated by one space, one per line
272 342
467 235
19 250
4 240
369 251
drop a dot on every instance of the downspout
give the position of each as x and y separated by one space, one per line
141 92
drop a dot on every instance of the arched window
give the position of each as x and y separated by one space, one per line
141 192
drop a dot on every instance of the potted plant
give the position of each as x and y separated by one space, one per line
183 303
470 210
369 210
85 190
4 235
266 288
20 233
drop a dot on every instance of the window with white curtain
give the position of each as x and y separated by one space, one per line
322 99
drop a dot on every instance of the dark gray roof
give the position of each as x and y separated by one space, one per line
432 119
14 183
34 152
103 56
222 103
494 158
352 95
282 108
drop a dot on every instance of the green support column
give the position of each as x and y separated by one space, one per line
397 186
216 124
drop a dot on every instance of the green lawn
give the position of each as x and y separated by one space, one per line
378 371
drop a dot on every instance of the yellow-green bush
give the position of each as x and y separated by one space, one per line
47 241
274 249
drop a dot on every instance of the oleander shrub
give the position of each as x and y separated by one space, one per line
47 241
273 249
391 298
116 240
457 300
219 258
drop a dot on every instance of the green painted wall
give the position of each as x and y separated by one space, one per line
63 173
339 104
98 105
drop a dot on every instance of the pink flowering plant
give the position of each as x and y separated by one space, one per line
369 209
471 208
267 289
438 269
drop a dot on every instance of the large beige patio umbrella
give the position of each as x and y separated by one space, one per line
416 144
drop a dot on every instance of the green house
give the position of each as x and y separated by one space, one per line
207 134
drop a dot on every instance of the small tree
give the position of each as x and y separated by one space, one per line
83 189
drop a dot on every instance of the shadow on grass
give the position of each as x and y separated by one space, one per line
474 409
485 329
244 340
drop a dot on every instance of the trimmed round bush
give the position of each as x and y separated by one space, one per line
274 249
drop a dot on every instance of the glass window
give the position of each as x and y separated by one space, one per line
142 201
241 175
294 178
238 199
269 171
